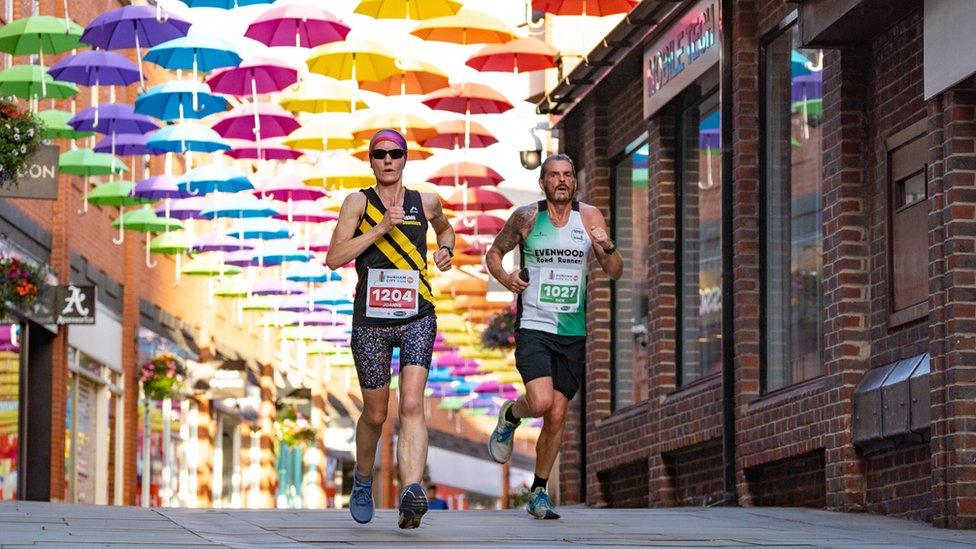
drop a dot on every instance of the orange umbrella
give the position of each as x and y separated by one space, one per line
465 27
597 8
459 243
458 282
450 135
461 259
477 199
468 98
413 127
415 78
468 173
522 55
478 302
414 152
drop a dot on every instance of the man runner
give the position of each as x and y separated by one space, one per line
384 228
555 236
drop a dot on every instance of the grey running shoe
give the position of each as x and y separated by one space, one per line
361 499
413 505
500 442
540 506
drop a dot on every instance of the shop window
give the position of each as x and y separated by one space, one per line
908 245
793 214
630 224
10 409
700 227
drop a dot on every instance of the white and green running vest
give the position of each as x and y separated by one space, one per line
555 301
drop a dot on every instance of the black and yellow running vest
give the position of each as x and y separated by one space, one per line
404 247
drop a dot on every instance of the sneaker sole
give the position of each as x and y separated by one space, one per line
498 425
411 516
492 455
550 515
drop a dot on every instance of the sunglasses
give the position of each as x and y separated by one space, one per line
380 154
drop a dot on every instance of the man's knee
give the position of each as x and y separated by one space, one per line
555 416
539 404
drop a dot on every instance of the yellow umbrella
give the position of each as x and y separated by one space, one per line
457 340
508 377
465 27
343 172
407 9
318 94
321 348
479 353
321 136
359 60
447 322
496 365
412 126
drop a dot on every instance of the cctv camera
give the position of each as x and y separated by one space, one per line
530 159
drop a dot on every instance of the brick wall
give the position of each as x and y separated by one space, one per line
899 482
625 486
697 474
794 482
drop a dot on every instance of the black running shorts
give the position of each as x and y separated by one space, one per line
541 354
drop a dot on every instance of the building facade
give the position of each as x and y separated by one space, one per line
791 186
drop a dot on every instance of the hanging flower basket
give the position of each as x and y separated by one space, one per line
293 429
20 283
161 377
20 135
500 332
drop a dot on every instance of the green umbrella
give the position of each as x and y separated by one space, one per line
86 162
320 348
56 125
114 193
232 287
33 82
452 403
171 243
260 303
39 34
810 107
276 319
209 266
145 220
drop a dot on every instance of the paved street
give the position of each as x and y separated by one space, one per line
28 524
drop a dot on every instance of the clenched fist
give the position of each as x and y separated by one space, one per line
443 259
392 217
514 282
600 237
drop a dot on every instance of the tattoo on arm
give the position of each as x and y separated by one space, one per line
511 234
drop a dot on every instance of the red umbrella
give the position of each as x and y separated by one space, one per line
468 98
255 121
597 8
480 224
450 135
477 199
468 173
266 149
522 55
298 25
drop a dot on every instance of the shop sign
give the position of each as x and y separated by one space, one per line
74 304
228 384
39 180
689 48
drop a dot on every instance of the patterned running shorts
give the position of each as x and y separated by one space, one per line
372 349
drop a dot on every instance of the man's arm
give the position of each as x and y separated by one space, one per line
443 229
344 248
611 263
511 235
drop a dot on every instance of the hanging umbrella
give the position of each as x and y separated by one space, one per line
297 25
238 206
187 208
321 136
126 144
216 242
86 162
407 9
450 135
317 318
266 149
309 272
39 34
171 243
185 137
173 100
357 60
413 77
145 221
259 303
412 126
455 283
260 228
465 27
481 224
518 56
214 178
112 118
255 121
317 94
96 68
114 193
276 286
199 52
300 304
33 82
56 125
343 172
209 266
468 99
256 75
159 187
277 252
596 8
467 173
241 258
224 4
288 189
331 295
232 287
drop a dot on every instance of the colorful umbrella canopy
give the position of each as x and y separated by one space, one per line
94 68
232 287
358 60
86 162
277 252
146 221
33 82
276 286
241 258
343 172
308 212
298 25
199 52
224 4
158 188
112 118
468 173
520 55
413 77
216 242
413 127
187 137
481 224
450 135
113 193
318 94
596 8
255 121
300 304
260 228
238 206
39 34
186 208
465 27
174 100
288 189
170 243
56 125
209 266
126 144
259 303
318 318
311 271
133 27
455 283
265 149
256 75
407 9
214 178
468 98
321 136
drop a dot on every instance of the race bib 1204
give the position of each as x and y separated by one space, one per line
392 293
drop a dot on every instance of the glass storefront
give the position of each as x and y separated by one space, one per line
700 229
9 409
793 217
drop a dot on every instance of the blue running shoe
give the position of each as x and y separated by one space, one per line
361 499
413 505
540 506
500 442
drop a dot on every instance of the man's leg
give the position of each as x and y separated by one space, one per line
412 444
369 428
537 400
551 435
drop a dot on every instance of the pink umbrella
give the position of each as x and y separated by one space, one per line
253 76
310 212
266 149
298 25
464 371
252 122
289 190
479 224
319 244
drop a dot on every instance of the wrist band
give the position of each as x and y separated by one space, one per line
450 250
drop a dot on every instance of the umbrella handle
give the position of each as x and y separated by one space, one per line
121 238
162 15
84 197
149 262
528 17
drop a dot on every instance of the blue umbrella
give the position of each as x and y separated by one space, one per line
199 52
238 206
311 272
277 252
260 229
180 138
173 100
439 375
224 4
331 295
215 178
799 64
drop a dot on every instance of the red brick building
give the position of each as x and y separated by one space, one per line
792 186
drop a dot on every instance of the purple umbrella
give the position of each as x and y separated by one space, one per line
299 303
441 347
126 144
187 208
133 27
318 318
480 402
241 258
158 188
112 118
454 360
336 334
465 371
217 242
253 76
94 68
806 87
273 286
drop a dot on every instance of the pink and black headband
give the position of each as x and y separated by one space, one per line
392 136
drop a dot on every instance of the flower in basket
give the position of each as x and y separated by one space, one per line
20 135
294 430
161 377
20 282
500 332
